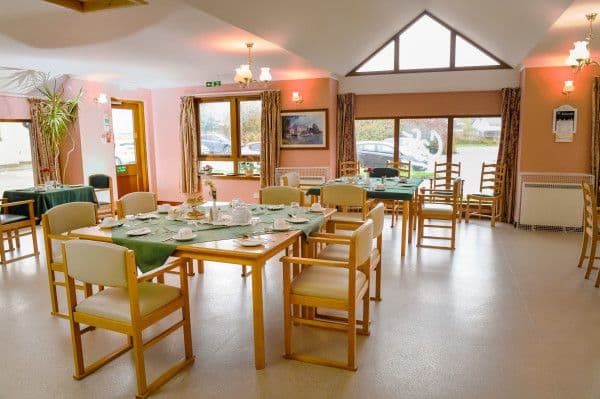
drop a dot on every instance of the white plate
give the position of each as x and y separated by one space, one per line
297 220
145 216
317 210
281 229
250 242
114 224
379 188
139 232
176 238
275 207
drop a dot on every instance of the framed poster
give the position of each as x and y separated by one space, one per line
306 129
564 121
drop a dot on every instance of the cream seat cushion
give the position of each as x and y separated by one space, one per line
326 282
347 216
113 303
438 209
340 253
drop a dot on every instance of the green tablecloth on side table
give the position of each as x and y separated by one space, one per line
394 190
45 200
152 250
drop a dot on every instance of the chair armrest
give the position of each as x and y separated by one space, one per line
161 270
2 200
330 235
313 262
370 202
16 203
326 240
61 237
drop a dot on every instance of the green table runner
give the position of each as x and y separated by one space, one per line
394 190
44 200
152 250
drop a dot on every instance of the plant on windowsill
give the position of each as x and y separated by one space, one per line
56 119
247 168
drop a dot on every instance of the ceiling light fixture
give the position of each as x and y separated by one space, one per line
243 74
579 56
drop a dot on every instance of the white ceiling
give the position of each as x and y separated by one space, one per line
186 42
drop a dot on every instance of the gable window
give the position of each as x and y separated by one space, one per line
229 130
427 44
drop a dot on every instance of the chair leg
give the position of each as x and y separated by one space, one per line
245 272
591 259
34 238
453 234
53 294
140 367
200 265
17 238
419 231
77 350
584 245
352 337
366 313
493 215
2 252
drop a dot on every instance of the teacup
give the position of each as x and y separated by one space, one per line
316 207
185 233
280 224
107 221
164 208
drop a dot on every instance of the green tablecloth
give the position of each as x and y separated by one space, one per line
152 250
394 190
45 200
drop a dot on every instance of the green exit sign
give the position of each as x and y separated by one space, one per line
121 169
213 83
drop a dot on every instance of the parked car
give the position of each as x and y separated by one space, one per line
375 154
252 148
216 144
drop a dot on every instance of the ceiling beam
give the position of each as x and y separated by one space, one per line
95 5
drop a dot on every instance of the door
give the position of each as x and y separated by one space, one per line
130 146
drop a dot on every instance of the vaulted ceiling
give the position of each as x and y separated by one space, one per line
171 43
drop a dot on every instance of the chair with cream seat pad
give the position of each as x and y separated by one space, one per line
281 195
128 305
57 222
434 205
339 285
350 201
136 202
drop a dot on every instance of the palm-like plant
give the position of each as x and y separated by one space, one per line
57 117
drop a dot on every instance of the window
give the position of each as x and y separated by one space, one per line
425 141
124 128
427 44
229 132
15 156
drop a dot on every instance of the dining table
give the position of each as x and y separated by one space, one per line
219 241
393 189
46 198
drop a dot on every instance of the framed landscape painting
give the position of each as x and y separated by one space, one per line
304 129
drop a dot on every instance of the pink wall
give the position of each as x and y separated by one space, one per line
14 108
317 93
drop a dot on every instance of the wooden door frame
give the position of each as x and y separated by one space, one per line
140 128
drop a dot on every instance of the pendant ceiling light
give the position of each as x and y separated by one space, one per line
244 76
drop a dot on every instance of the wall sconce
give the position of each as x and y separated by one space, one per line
101 99
568 87
297 98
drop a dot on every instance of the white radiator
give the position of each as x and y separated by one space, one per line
551 205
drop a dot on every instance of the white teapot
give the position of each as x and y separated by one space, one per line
241 215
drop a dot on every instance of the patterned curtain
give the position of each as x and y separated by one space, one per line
189 146
508 150
346 146
270 126
42 153
596 133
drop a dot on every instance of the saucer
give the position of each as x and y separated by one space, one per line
177 238
139 232
297 220
250 242
113 224
286 228
275 207
145 216
320 210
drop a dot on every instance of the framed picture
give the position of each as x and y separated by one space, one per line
564 120
304 129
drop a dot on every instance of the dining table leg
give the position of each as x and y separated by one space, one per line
258 316
405 216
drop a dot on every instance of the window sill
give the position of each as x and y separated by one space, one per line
230 177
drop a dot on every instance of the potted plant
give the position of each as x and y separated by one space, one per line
247 168
57 117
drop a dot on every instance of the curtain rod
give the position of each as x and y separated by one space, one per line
226 93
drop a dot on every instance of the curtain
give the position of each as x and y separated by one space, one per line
596 132
43 155
189 146
508 149
346 146
270 126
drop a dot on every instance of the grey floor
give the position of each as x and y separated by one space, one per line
506 315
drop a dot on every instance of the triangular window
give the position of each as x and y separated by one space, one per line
427 44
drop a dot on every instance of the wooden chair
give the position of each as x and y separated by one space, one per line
436 206
283 195
136 202
129 305
340 252
402 167
346 197
57 222
491 187
103 184
349 168
291 179
333 285
444 174
590 230
10 229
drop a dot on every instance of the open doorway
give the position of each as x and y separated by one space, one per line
130 146
16 171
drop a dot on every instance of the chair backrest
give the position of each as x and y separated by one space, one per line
343 195
402 167
492 178
589 206
387 172
377 215
70 216
137 202
96 262
100 181
349 168
361 244
281 195
291 179
444 173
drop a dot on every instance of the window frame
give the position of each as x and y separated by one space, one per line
236 137
452 65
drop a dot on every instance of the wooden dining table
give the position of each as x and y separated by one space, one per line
230 251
